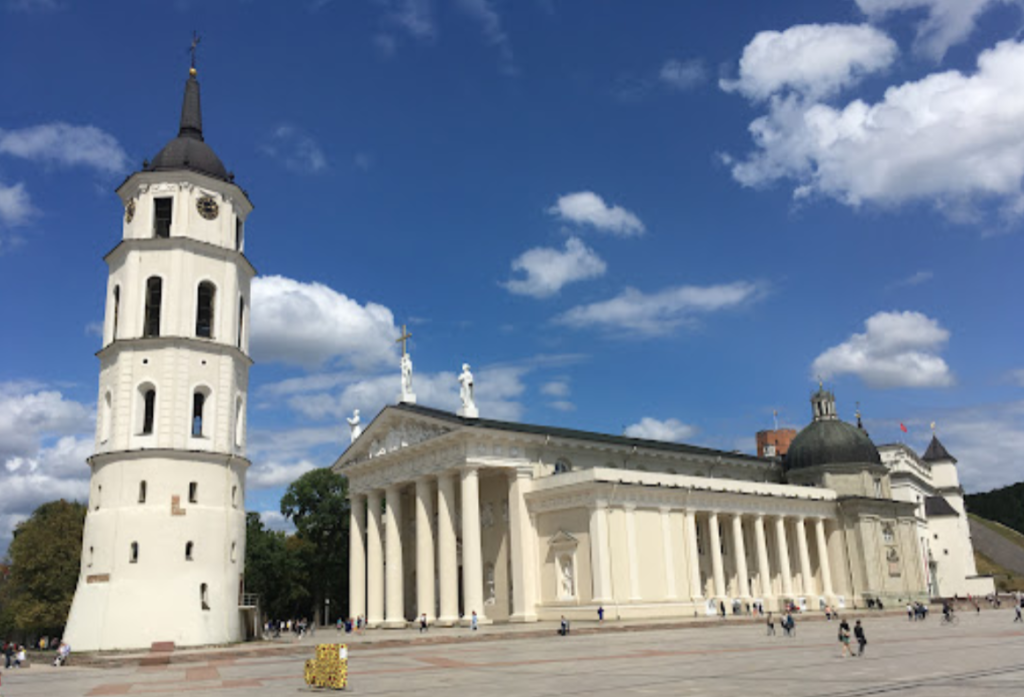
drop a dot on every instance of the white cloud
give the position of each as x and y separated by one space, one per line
587 208
297 150
815 60
270 474
682 75
915 279
309 324
44 440
987 440
275 521
414 17
656 314
948 138
64 144
15 205
946 22
1017 376
490 24
898 349
562 405
555 388
548 270
670 430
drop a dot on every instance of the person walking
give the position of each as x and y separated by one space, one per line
771 625
862 641
474 621
721 608
8 654
1016 609
423 623
910 612
600 614
844 640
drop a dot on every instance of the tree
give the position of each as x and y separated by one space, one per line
317 503
45 557
274 570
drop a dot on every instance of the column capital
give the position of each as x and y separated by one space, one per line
665 509
521 472
629 507
425 478
598 505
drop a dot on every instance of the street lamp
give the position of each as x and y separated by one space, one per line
327 611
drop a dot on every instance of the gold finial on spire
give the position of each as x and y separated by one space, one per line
192 50
933 428
404 338
821 383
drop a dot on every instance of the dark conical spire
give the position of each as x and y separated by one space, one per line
191 113
937 452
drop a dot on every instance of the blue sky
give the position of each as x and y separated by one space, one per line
659 218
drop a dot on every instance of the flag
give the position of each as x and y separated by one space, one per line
903 428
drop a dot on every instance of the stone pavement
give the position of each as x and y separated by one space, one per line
983 655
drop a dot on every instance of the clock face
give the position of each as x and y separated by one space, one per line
129 211
207 207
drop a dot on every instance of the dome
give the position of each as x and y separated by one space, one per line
831 442
188 151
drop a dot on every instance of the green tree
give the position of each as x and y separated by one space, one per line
45 557
274 570
317 503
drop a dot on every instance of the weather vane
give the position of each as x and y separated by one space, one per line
192 49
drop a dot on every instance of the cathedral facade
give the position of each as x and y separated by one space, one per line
454 515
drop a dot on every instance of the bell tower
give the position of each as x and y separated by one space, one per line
164 543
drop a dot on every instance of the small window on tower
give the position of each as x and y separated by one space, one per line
188 551
241 320
117 310
162 217
133 556
234 497
99 496
204 596
239 238
204 309
148 411
234 552
198 402
90 556
142 491
193 492
154 297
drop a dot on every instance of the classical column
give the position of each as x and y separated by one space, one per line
823 560
715 539
805 557
670 564
521 539
447 551
739 550
692 554
375 561
424 549
357 557
783 547
472 554
599 567
763 569
394 609
634 570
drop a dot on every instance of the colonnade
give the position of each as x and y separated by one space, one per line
381 600
717 525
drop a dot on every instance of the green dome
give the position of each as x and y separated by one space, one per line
831 442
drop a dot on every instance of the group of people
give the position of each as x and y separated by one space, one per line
917 611
844 639
788 624
15 655
274 628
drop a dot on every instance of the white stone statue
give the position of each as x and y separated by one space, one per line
468 409
568 582
407 396
354 425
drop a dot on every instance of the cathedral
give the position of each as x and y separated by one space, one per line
454 515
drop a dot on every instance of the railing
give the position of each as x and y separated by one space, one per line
249 600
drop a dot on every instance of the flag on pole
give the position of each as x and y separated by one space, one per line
903 428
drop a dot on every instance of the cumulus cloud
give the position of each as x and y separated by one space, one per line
555 388
655 314
945 23
548 270
587 208
309 324
66 145
948 138
914 279
815 60
297 150
682 75
487 16
670 430
897 349
44 441
269 474
414 17
274 520
15 205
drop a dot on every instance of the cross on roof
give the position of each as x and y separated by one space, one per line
192 49
403 339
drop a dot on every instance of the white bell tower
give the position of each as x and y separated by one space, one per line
164 543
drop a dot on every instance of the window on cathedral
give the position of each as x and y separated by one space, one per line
99 497
234 497
204 596
198 404
117 310
148 411
887 534
188 551
234 552
241 320
204 310
142 491
90 556
133 555
878 488
239 423
162 217
154 297
700 538
193 492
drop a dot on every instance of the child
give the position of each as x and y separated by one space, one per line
771 625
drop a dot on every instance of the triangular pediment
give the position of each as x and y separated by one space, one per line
391 431
562 539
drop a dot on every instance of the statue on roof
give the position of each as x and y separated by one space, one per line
354 425
468 409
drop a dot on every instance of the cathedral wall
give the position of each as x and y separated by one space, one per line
494 538
576 523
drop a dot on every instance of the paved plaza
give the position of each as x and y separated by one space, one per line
983 655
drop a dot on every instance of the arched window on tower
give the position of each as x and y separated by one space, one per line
198 409
562 466
239 234
154 296
162 208
239 423
204 310
148 410
241 320
204 596
117 312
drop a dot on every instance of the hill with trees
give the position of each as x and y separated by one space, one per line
1005 505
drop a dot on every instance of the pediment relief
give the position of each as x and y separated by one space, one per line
563 540
403 435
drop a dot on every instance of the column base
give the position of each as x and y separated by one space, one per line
395 624
374 623
446 621
521 618
481 621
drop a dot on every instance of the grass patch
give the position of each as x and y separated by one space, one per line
1000 529
1005 579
